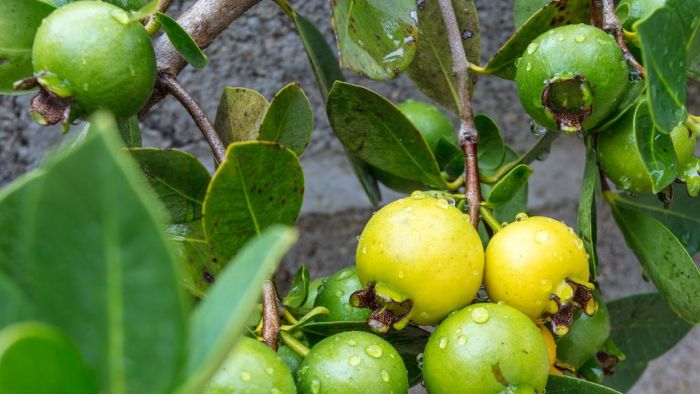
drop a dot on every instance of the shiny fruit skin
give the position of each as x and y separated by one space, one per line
619 156
252 368
551 349
483 346
335 293
586 337
423 249
352 362
528 260
106 60
572 50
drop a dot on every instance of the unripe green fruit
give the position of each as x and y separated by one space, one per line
571 78
586 337
290 358
486 349
91 51
252 368
352 362
620 159
335 293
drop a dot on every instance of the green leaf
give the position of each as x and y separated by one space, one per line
644 328
586 337
562 384
693 60
258 185
200 266
289 121
431 69
586 225
178 178
130 131
375 130
145 11
15 306
376 38
663 39
182 41
664 259
84 232
219 320
449 157
491 147
364 175
240 114
682 216
556 13
506 188
655 149
19 21
38 359
409 342
524 9
300 287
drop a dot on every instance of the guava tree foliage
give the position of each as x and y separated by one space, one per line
99 245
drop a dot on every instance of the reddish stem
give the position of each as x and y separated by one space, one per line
603 16
271 316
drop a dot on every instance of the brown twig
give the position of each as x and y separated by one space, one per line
468 137
271 316
169 84
603 16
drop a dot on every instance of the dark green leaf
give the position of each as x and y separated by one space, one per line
374 129
200 266
289 121
240 114
562 384
524 9
218 321
682 216
664 259
491 148
449 157
409 342
506 188
178 178
376 38
655 149
130 130
556 13
693 60
431 69
182 41
38 359
644 328
300 287
586 226
18 23
15 306
85 233
258 185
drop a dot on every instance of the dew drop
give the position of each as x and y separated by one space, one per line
401 274
418 195
442 203
467 34
532 48
315 386
480 315
303 370
352 343
521 216
419 360
458 331
541 236
385 376
580 38
578 242
344 274
269 370
347 308
373 351
245 376
546 285
354 360
339 293
443 342
364 250
462 339
424 315
560 37
408 209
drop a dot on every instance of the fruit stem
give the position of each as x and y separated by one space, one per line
603 16
284 5
271 316
289 317
478 69
456 184
693 124
491 220
294 344
468 136
169 83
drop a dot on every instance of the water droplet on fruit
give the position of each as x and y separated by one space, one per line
354 360
352 343
480 315
344 274
121 16
269 370
457 331
408 209
364 250
303 370
339 293
275 390
385 376
521 216
467 34
347 308
419 360
528 67
373 351
442 203
546 285
443 342
424 315
541 236
578 242
418 195
315 386
245 376
532 48
560 37
537 130
401 275
462 339
580 38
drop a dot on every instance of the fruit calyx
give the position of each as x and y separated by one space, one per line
568 100
386 312
569 297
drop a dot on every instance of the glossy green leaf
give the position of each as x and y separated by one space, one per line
682 216
300 287
644 328
375 130
524 9
84 232
178 178
491 147
38 359
449 157
409 342
556 13
506 188
376 38
664 259
240 114
258 185
219 320
18 23
200 266
562 384
586 221
289 121
431 69
182 41
130 131
656 150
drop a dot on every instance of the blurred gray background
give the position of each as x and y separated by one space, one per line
262 51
